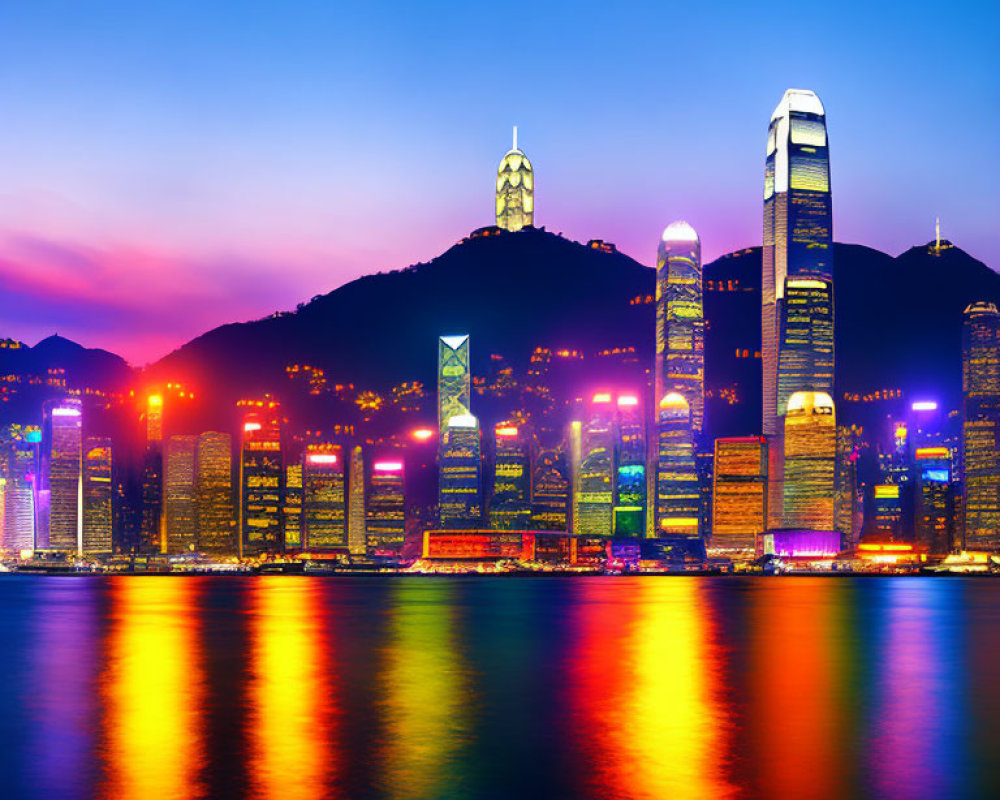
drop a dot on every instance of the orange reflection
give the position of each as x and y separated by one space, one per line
427 693
291 694
798 705
649 669
154 687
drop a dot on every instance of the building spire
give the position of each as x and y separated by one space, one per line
937 234
515 138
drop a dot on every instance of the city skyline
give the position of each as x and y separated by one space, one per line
103 249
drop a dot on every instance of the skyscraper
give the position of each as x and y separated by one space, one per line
680 321
933 498
97 465
739 508
550 491
459 481
292 503
510 504
981 425
20 468
214 493
810 458
65 476
152 538
454 380
678 490
515 198
261 484
324 500
797 280
593 497
630 468
357 544
386 509
180 509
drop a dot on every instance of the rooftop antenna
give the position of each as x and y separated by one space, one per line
515 137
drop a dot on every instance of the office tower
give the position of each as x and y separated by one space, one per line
797 279
292 504
630 468
810 443
845 498
324 499
385 520
454 380
933 498
65 476
678 491
980 424
459 477
594 488
739 509
888 504
214 493
550 491
510 504
261 484
680 321
20 468
356 536
97 491
179 507
151 531
515 199
575 459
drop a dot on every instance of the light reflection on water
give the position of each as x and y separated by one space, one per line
681 687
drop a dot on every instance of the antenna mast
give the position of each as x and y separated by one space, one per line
515 137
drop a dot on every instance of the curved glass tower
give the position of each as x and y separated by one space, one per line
515 199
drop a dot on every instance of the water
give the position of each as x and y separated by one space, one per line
295 687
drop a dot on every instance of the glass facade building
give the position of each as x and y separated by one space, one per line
261 481
64 426
97 464
678 489
510 502
214 493
739 508
454 380
810 457
515 191
550 491
179 502
593 496
356 502
630 468
460 474
385 519
324 500
20 472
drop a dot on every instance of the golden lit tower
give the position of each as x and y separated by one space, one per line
515 205
810 458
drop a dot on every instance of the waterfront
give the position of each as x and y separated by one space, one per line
297 686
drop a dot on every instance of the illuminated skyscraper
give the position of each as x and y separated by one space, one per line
96 495
292 504
888 503
20 468
459 471
356 536
261 484
454 380
324 500
510 504
630 468
385 515
933 496
739 510
550 491
798 244
810 456
180 510
805 353
678 491
981 425
595 480
152 477
845 501
515 200
65 476
680 321
214 493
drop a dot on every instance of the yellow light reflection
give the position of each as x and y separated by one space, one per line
292 693
154 686
427 694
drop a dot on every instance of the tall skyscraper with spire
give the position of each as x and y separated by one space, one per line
515 198
797 280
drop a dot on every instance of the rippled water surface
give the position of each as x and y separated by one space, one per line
297 687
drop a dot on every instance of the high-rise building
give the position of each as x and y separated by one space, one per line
152 528
65 476
887 501
292 505
846 518
981 425
454 380
678 489
550 491
386 510
324 499
933 498
739 509
97 491
356 536
805 351
510 504
680 321
515 197
214 493
459 474
20 469
810 442
630 468
179 506
593 496
261 484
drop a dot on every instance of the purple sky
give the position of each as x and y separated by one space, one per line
165 171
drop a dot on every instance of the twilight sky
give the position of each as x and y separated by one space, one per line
166 167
